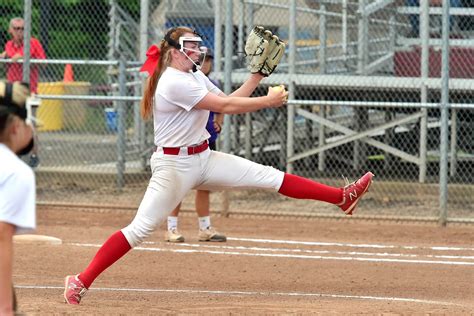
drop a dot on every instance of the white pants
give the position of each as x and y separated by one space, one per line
174 176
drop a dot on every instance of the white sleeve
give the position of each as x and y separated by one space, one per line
211 87
18 208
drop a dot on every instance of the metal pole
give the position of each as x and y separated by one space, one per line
359 152
322 70
393 38
217 36
26 41
237 119
248 116
363 37
443 162
240 43
144 12
121 126
389 133
322 39
454 143
228 68
424 34
140 135
344 30
227 88
291 89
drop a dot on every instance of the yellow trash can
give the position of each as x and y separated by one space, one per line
75 111
50 112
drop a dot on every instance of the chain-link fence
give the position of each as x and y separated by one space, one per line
366 93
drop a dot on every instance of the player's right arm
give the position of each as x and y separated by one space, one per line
249 86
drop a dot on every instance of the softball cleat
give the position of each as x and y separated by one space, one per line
352 192
210 234
74 290
173 235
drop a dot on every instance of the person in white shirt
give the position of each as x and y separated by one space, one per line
17 183
179 97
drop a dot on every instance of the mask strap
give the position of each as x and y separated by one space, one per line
171 41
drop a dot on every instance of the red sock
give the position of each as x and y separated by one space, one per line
302 188
112 250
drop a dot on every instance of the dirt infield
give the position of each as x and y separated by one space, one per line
268 266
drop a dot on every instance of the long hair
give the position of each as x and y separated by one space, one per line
146 106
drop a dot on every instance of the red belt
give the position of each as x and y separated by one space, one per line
191 150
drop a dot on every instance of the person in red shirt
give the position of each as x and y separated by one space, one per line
14 51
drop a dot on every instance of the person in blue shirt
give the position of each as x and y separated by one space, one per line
206 231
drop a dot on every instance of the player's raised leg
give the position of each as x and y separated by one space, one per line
248 174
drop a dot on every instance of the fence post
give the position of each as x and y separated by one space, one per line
140 135
361 114
424 34
454 143
322 70
443 162
121 126
217 36
248 116
26 41
228 49
291 88
229 40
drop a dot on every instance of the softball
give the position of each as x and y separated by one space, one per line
279 88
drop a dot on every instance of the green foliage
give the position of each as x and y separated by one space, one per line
132 7
80 31
75 28
9 9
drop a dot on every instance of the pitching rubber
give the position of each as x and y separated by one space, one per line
36 239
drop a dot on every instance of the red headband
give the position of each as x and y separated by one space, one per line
153 56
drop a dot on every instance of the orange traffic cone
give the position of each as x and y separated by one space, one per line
68 73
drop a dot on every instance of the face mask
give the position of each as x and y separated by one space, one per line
202 50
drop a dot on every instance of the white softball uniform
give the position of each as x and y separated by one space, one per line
17 192
178 124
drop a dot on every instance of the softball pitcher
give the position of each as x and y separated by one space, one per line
179 97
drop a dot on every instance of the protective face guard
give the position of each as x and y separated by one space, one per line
202 49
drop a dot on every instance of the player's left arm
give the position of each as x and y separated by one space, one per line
248 87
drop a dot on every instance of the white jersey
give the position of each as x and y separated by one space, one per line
17 192
176 122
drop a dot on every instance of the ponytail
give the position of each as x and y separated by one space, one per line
146 106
